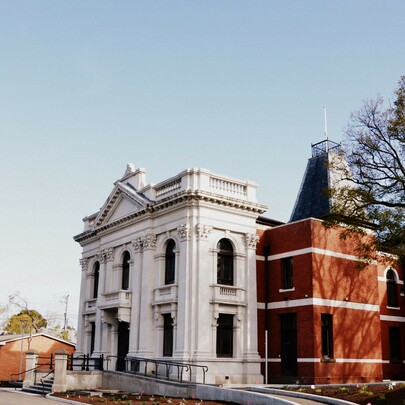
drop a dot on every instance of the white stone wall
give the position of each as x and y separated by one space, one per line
196 209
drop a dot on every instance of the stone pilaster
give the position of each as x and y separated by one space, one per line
31 360
60 380
146 328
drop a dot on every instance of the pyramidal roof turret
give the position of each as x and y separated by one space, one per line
313 200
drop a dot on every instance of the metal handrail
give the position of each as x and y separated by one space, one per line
182 367
26 371
43 379
84 361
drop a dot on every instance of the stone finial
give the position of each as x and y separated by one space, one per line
129 170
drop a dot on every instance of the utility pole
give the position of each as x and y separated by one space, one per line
66 301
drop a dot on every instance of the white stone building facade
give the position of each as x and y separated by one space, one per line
169 272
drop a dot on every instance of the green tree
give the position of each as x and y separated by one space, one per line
372 188
27 321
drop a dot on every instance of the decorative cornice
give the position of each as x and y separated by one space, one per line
187 196
202 231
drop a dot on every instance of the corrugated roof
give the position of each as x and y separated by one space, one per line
10 338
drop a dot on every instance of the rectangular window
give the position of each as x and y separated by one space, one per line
288 349
327 335
92 336
395 345
225 270
287 273
225 335
167 335
96 280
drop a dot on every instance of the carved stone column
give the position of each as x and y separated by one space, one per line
250 318
84 296
202 274
146 331
105 256
136 287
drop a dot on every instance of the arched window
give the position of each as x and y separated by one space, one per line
170 262
392 293
225 262
125 271
96 279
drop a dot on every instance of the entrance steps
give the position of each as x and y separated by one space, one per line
40 388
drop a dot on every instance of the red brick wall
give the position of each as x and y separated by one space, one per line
333 277
10 353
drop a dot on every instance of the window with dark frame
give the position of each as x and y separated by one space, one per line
392 290
327 335
125 271
96 279
287 273
92 336
225 263
167 335
395 345
225 335
170 262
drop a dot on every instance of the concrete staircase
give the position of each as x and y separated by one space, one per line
41 389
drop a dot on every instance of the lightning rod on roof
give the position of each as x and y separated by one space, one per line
326 123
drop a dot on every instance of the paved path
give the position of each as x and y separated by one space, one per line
295 400
11 397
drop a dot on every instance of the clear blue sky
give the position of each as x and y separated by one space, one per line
237 87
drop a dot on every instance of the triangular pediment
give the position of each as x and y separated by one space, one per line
123 201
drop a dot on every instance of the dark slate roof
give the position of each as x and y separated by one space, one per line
313 200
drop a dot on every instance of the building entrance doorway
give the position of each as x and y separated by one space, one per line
123 344
288 344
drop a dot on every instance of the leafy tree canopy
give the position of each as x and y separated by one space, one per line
373 190
27 321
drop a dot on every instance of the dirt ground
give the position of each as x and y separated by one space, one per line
133 399
384 394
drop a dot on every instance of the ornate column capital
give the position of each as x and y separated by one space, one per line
251 240
105 255
149 241
137 244
108 254
100 257
83 263
183 231
202 231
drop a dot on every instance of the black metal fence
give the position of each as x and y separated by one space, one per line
158 368
85 362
